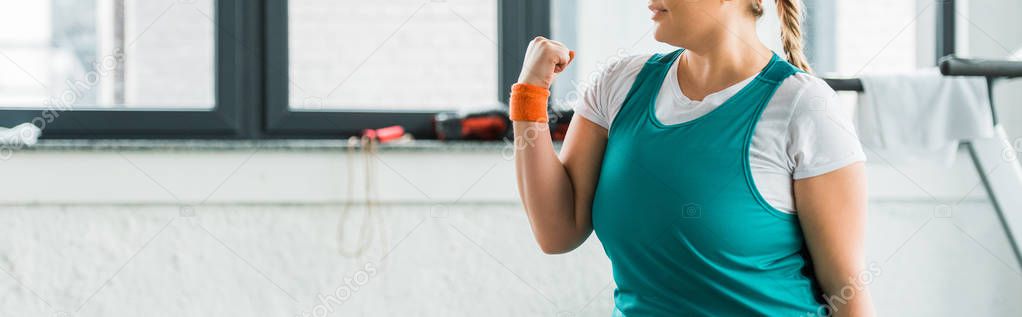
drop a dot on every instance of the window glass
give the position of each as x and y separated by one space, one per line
392 55
879 36
130 54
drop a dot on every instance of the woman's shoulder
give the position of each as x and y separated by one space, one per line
615 74
802 91
807 84
622 66
818 130
605 85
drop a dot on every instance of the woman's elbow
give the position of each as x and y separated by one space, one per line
555 248
557 235
560 244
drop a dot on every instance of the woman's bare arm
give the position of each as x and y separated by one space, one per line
832 212
557 192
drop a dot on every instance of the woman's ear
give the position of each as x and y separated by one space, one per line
757 7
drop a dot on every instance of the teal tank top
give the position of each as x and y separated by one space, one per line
681 220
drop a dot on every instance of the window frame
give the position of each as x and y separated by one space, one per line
283 121
224 120
946 29
252 83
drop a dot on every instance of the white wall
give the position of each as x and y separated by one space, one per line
109 222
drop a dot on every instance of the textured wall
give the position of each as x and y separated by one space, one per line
469 261
449 242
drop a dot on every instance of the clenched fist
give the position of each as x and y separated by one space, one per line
543 61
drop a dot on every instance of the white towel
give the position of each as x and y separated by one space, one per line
25 134
922 116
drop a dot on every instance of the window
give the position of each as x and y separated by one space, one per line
107 54
899 36
332 68
335 68
392 55
115 68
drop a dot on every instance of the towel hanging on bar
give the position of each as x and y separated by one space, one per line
922 115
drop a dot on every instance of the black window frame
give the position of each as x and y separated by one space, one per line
252 82
283 121
222 121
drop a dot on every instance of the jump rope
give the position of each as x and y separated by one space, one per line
364 149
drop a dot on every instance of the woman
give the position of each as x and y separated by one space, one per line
719 178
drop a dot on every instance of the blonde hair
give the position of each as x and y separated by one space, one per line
791 15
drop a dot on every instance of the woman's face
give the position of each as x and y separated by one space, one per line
686 23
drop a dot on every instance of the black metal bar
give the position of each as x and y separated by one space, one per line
844 84
955 66
990 94
951 66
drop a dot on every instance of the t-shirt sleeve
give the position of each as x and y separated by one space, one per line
591 106
821 136
604 91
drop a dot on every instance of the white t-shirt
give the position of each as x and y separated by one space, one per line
802 132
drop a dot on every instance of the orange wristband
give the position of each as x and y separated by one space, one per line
528 103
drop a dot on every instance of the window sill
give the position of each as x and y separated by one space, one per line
86 145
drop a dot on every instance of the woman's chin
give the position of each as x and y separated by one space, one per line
658 34
662 36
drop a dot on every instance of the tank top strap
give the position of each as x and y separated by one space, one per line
778 70
747 106
665 58
646 86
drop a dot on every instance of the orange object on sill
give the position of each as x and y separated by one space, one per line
384 135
